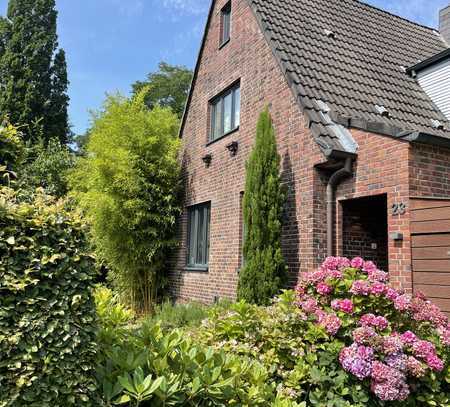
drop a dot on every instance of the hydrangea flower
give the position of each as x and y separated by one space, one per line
331 322
409 338
402 302
324 289
377 289
392 345
414 367
360 287
369 267
378 276
379 322
357 360
343 305
357 263
364 335
391 293
388 383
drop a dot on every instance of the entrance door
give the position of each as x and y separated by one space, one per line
365 229
430 229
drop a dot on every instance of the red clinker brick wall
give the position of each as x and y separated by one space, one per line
249 58
384 166
430 171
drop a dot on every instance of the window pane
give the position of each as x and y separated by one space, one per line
200 237
226 20
208 219
237 107
228 105
191 243
217 132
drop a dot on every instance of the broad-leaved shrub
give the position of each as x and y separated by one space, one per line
345 337
47 315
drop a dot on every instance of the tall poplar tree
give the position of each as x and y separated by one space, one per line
264 272
33 84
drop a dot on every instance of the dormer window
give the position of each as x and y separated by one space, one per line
225 24
225 113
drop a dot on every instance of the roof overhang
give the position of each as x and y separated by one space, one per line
424 138
435 59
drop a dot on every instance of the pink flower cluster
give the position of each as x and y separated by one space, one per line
330 322
358 360
342 305
388 383
389 359
374 321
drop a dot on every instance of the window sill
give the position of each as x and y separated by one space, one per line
222 137
198 269
224 43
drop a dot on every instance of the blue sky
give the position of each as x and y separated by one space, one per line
112 43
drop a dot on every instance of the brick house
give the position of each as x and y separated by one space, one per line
360 101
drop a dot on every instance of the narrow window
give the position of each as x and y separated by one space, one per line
225 113
225 24
198 236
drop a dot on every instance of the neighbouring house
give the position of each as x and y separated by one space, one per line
360 100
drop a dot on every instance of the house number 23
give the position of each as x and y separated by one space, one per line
398 209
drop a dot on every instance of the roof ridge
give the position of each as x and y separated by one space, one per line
363 3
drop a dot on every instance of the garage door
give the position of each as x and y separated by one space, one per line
430 228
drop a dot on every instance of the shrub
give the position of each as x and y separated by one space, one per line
46 166
343 338
127 184
158 369
11 151
172 316
264 272
47 317
114 318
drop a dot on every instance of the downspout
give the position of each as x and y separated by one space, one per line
333 182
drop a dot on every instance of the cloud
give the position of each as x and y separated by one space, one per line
129 8
187 7
424 12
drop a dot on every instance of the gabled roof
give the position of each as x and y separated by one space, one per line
347 63
354 58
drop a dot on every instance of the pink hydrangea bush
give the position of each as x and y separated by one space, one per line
394 342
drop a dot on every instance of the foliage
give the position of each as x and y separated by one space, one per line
46 165
344 338
171 316
169 87
114 318
32 78
156 369
11 151
47 316
128 185
264 271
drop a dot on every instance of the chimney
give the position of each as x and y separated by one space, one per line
444 24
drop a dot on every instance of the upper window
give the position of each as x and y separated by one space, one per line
225 113
198 236
225 24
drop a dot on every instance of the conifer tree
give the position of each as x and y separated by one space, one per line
27 71
264 272
58 123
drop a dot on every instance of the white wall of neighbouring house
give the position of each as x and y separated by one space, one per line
435 80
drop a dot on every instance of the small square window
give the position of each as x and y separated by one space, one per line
225 113
198 236
225 24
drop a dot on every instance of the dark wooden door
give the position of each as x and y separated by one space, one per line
430 246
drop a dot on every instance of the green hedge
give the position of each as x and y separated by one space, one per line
47 314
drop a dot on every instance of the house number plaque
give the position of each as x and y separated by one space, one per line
398 209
